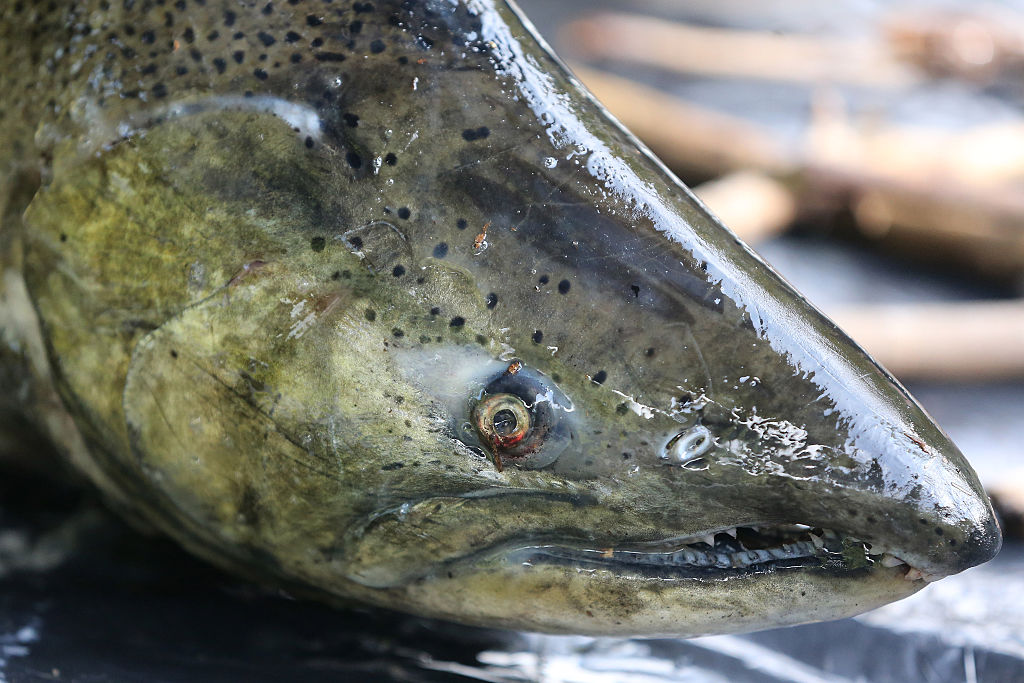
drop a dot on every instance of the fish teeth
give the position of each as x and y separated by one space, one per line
818 541
891 560
708 538
913 574
730 531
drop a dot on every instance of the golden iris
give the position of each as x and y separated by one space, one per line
503 419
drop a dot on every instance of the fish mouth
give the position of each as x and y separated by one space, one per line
729 552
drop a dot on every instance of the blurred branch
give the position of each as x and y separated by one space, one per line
951 194
975 340
686 135
688 49
753 205
979 45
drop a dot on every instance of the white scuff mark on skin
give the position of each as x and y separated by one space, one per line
301 326
646 412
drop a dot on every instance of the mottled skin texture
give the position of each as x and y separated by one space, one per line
260 258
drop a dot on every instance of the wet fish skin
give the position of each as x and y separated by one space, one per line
260 262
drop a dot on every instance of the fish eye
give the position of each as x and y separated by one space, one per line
503 420
518 418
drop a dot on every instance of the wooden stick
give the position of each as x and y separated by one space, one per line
684 135
717 52
949 341
755 206
897 183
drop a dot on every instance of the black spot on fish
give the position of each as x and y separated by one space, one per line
600 377
238 56
213 35
268 9
220 65
309 142
174 354
266 38
564 286
377 46
351 120
538 336
397 331
159 90
622 409
481 340
404 213
390 159
292 37
295 58
260 74
543 279
457 322
189 35
361 7
492 300
636 291
229 18
313 20
398 271
649 352
356 241
354 160
473 134
435 311
355 27
461 224
317 244
370 314
392 466
329 57
441 250
148 37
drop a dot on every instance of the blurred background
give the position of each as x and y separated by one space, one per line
873 153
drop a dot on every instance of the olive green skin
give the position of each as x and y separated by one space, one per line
253 299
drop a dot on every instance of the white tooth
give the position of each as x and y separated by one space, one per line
818 542
891 561
709 539
914 574
731 532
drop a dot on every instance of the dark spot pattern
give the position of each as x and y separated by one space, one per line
398 271
317 244
441 250
474 134
564 286
600 377
492 300
457 322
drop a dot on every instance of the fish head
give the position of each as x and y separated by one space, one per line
446 339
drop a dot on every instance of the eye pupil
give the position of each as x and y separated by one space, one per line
505 422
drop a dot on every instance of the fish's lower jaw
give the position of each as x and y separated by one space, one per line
557 598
